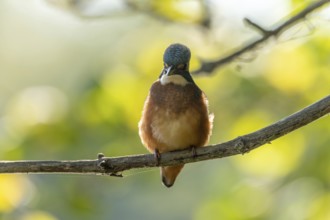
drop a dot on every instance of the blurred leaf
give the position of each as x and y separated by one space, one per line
300 3
36 105
179 10
292 70
13 191
275 160
296 198
38 215
320 207
235 206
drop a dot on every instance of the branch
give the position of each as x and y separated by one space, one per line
149 9
208 67
239 145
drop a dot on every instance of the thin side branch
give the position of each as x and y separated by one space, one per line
254 25
239 145
208 67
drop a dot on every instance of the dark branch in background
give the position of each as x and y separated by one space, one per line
239 145
80 8
149 9
208 67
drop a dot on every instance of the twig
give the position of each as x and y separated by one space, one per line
239 145
148 9
208 67
262 30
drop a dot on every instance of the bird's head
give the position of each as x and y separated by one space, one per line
176 65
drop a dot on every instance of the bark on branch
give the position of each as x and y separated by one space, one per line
239 145
208 67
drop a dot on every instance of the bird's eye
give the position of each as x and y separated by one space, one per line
181 66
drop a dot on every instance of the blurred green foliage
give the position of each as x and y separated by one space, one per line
74 87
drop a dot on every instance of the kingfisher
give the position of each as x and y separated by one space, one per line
175 114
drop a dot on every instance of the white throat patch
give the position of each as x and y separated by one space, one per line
176 79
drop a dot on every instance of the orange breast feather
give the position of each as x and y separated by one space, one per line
174 117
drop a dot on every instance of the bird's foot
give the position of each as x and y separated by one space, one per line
193 151
157 157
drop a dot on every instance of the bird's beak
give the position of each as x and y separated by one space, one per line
169 71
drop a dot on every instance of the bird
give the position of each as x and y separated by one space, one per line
175 115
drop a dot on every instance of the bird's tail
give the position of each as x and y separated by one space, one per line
169 174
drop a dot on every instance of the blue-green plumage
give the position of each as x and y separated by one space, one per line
176 54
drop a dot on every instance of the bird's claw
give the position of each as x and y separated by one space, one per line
193 151
157 157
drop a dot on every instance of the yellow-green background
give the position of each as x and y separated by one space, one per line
73 85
